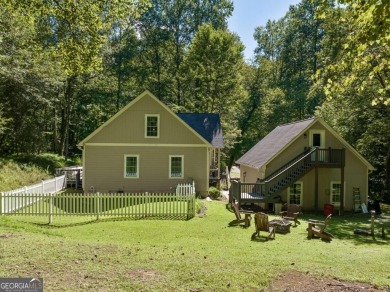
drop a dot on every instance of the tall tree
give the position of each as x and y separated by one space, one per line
301 44
355 79
211 74
366 49
167 29
74 33
27 83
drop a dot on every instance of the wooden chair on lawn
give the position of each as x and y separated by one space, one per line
262 224
237 212
292 213
317 228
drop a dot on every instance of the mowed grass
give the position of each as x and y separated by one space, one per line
202 254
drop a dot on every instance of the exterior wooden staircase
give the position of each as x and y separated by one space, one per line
289 173
268 189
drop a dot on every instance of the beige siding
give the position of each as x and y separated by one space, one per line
104 168
129 127
251 174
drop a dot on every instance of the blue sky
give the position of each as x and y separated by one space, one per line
249 14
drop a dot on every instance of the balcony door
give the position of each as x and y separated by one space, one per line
317 139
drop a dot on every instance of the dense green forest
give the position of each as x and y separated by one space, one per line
67 66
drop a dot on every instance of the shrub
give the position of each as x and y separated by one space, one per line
200 208
214 193
14 175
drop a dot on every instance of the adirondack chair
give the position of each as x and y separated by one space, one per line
317 228
237 212
262 224
292 213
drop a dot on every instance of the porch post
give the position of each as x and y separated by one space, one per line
316 183
209 159
239 195
316 190
219 165
342 182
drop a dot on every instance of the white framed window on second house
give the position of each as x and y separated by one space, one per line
176 166
295 193
131 166
152 126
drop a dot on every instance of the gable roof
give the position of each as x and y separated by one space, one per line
207 125
273 143
281 137
146 92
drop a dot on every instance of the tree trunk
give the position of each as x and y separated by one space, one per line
386 196
65 115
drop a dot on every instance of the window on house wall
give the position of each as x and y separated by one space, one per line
335 193
176 166
152 126
131 166
295 193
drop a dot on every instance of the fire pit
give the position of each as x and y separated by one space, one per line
281 225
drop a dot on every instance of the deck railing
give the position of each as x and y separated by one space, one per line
142 205
323 157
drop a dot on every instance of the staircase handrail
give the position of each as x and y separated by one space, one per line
289 165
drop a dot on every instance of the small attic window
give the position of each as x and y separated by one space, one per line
152 126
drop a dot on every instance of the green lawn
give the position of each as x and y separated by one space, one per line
202 254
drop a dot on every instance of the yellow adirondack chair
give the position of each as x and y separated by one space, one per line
317 228
237 212
262 224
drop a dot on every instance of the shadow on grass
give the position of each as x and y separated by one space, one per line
343 227
262 239
58 225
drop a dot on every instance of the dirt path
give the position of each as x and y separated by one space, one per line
295 281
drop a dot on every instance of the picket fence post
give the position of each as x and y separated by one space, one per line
51 208
97 198
1 203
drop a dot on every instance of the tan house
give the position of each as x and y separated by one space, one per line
146 147
305 163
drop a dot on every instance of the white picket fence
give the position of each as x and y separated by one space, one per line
185 189
49 186
14 200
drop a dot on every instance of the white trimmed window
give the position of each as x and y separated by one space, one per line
335 193
152 126
295 193
176 166
131 166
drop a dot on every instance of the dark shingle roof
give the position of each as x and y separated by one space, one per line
275 141
206 125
